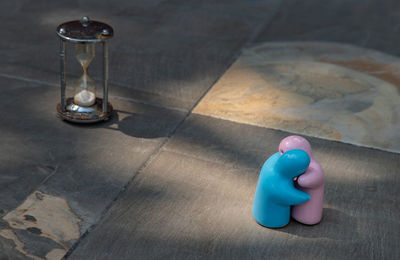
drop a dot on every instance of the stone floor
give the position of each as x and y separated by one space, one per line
203 92
330 90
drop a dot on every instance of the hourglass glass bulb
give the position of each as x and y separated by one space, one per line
84 53
85 88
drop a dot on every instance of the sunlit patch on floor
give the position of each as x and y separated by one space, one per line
328 90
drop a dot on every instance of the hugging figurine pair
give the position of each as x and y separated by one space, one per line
291 182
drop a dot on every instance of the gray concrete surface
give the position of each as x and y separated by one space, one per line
88 166
194 201
370 24
156 181
167 52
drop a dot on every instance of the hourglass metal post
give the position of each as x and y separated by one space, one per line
62 73
84 106
105 76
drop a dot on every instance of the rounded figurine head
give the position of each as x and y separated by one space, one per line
294 142
293 163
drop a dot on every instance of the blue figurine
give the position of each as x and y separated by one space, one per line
275 191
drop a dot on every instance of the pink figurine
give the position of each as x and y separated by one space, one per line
312 182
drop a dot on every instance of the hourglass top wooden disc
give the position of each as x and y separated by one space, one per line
85 30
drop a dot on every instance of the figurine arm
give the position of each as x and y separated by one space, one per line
290 196
312 178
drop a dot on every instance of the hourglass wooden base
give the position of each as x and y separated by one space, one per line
80 114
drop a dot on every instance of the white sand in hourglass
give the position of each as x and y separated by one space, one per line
84 98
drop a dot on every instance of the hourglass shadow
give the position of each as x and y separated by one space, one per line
153 123
146 121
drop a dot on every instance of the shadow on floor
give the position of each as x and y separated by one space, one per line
329 227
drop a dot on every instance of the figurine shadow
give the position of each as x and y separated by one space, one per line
335 224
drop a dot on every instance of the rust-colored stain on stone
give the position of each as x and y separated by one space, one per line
47 216
383 71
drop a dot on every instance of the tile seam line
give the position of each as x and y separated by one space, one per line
40 82
216 162
168 138
298 133
235 57
264 26
120 194
28 80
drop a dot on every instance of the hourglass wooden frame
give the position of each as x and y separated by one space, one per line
84 31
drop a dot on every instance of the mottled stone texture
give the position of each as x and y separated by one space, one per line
57 179
369 23
164 52
333 91
159 182
194 201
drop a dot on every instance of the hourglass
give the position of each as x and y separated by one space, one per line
84 106
85 88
